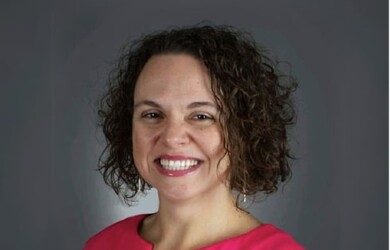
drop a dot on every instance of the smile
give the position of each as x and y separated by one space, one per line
178 164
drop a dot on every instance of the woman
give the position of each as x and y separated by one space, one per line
198 113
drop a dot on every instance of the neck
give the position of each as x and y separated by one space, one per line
215 204
198 221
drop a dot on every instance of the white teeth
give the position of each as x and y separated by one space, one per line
177 165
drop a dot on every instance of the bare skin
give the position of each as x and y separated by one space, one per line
176 119
197 223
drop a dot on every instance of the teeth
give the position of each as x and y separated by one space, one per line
177 165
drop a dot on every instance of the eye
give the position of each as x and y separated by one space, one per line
151 115
202 116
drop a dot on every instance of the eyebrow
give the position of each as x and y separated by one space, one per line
201 104
192 105
147 103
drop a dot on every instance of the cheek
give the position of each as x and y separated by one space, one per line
140 142
144 142
213 145
141 150
142 136
219 155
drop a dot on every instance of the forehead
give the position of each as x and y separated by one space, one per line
173 76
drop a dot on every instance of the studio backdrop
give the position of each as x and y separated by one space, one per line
56 56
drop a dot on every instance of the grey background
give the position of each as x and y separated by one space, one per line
54 59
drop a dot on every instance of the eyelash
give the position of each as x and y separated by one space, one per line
157 115
202 117
151 115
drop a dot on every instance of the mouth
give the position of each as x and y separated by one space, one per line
177 164
172 166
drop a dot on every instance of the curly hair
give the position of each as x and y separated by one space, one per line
253 95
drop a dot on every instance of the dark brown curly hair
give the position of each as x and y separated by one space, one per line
253 95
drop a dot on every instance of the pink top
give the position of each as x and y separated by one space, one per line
123 235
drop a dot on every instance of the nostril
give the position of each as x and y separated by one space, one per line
175 135
175 140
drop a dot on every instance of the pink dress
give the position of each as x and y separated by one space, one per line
123 235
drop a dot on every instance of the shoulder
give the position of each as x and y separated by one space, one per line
115 235
268 236
264 237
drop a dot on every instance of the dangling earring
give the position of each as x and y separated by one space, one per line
244 191
139 184
243 195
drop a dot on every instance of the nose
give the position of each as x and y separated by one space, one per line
175 133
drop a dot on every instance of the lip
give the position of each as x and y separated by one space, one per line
175 157
176 173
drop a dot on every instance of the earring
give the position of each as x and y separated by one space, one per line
139 184
243 195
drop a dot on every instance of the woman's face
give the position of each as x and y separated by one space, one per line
177 137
